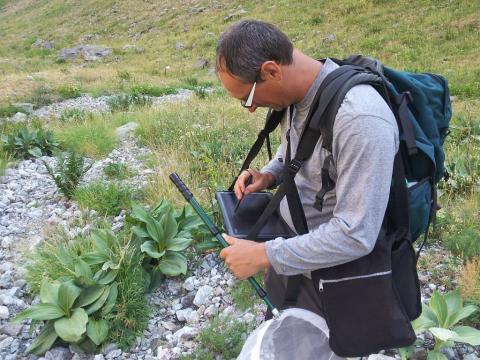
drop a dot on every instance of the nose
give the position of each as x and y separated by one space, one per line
252 108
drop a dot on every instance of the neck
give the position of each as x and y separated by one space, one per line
300 75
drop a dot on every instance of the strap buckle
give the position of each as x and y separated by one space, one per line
295 165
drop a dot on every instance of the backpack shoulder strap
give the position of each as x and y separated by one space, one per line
271 122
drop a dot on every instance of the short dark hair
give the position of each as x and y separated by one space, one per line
247 44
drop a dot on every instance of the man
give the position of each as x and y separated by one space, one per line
258 65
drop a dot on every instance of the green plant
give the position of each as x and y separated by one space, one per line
126 101
41 96
70 91
439 318
9 110
4 160
68 172
26 144
72 313
106 199
465 244
73 115
224 336
116 170
152 90
162 235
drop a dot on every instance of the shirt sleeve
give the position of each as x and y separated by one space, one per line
275 166
364 148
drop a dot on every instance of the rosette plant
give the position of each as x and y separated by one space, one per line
440 318
72 314
163 234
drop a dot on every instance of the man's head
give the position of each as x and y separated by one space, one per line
250 58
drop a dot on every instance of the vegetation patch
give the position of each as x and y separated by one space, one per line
116 170
105 199
152 90
26 144
95 137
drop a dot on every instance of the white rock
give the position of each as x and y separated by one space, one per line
185 333
212 310
6 343
183 315
4 313
189 283
380 357
203 295
163 354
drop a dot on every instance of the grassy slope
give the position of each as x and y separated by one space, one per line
438 36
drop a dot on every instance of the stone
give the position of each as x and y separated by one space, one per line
109 347
471 357
19 117
179 46
58 353
99 357
329 38
169 325
163 354
380 357
11 329
126 130
449 353
187 300
203 295
189 283
5 343
235 14
183 315
43 44
133 49
113 354
27 107
202 64
419 354
210 311
185 333
86 52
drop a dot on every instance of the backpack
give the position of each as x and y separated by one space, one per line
361 325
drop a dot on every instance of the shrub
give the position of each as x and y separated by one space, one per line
26 144
68 172
125 102
106 199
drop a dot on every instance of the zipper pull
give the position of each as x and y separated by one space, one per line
320 285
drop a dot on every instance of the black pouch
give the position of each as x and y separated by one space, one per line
362 306
405 278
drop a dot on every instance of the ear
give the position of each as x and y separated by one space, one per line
270 70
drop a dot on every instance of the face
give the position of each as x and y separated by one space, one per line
265 94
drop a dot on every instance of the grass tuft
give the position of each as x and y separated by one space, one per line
105 199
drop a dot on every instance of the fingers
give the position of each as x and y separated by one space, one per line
239 187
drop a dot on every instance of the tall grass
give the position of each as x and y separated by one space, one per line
92 136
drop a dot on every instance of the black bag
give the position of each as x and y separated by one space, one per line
361 304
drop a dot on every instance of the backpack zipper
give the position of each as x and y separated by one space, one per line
321 282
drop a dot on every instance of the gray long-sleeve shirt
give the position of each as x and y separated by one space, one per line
365 141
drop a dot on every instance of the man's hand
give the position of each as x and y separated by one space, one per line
244 257
260 181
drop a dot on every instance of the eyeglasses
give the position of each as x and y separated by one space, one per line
248 103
